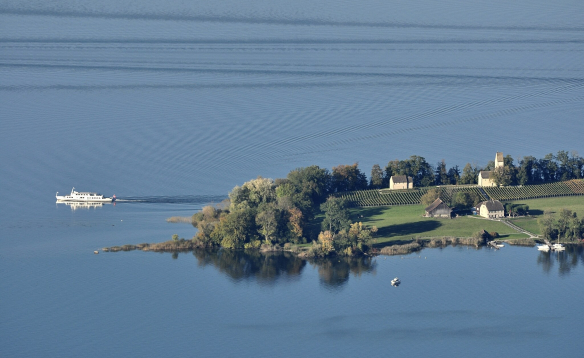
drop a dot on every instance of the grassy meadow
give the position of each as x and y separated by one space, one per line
538 206
402 223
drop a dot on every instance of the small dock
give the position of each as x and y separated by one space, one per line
495 245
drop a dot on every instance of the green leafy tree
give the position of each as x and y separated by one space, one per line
465 200
576 228
502 176
416 167
376 177
310 183
267 223
347 178
525 170
546 224
253 193
469 174
563 224
235 229
336 214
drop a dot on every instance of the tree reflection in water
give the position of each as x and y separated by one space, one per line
567 259
334 272
268 267
251 264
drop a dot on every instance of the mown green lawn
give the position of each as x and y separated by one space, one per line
529 224
538 206
406 222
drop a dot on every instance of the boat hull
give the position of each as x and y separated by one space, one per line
102 200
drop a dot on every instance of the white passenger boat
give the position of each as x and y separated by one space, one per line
84 197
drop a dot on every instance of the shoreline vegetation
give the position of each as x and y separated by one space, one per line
184 245
310 212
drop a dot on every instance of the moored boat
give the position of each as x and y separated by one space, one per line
84 197
543 247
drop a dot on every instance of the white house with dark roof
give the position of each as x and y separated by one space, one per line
491 209
401 182
485 178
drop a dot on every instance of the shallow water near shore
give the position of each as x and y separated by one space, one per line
171 104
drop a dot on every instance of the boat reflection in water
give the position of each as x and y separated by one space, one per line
567 259
77 205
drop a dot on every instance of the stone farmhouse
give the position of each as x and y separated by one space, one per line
485 177
438 209
491 209
401 182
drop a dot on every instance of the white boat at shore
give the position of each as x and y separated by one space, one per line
550 247
86 196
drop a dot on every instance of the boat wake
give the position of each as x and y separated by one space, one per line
182 199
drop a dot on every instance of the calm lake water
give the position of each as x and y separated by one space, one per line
170 104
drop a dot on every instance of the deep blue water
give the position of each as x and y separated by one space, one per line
171 104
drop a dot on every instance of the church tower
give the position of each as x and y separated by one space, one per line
499 162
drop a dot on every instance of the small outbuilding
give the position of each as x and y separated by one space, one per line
438 209
491 209
401 182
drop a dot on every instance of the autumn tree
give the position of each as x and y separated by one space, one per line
296 224
430 196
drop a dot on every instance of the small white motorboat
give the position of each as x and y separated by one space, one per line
558 247
543 247
395 282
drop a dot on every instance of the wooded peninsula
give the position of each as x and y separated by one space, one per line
311 212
